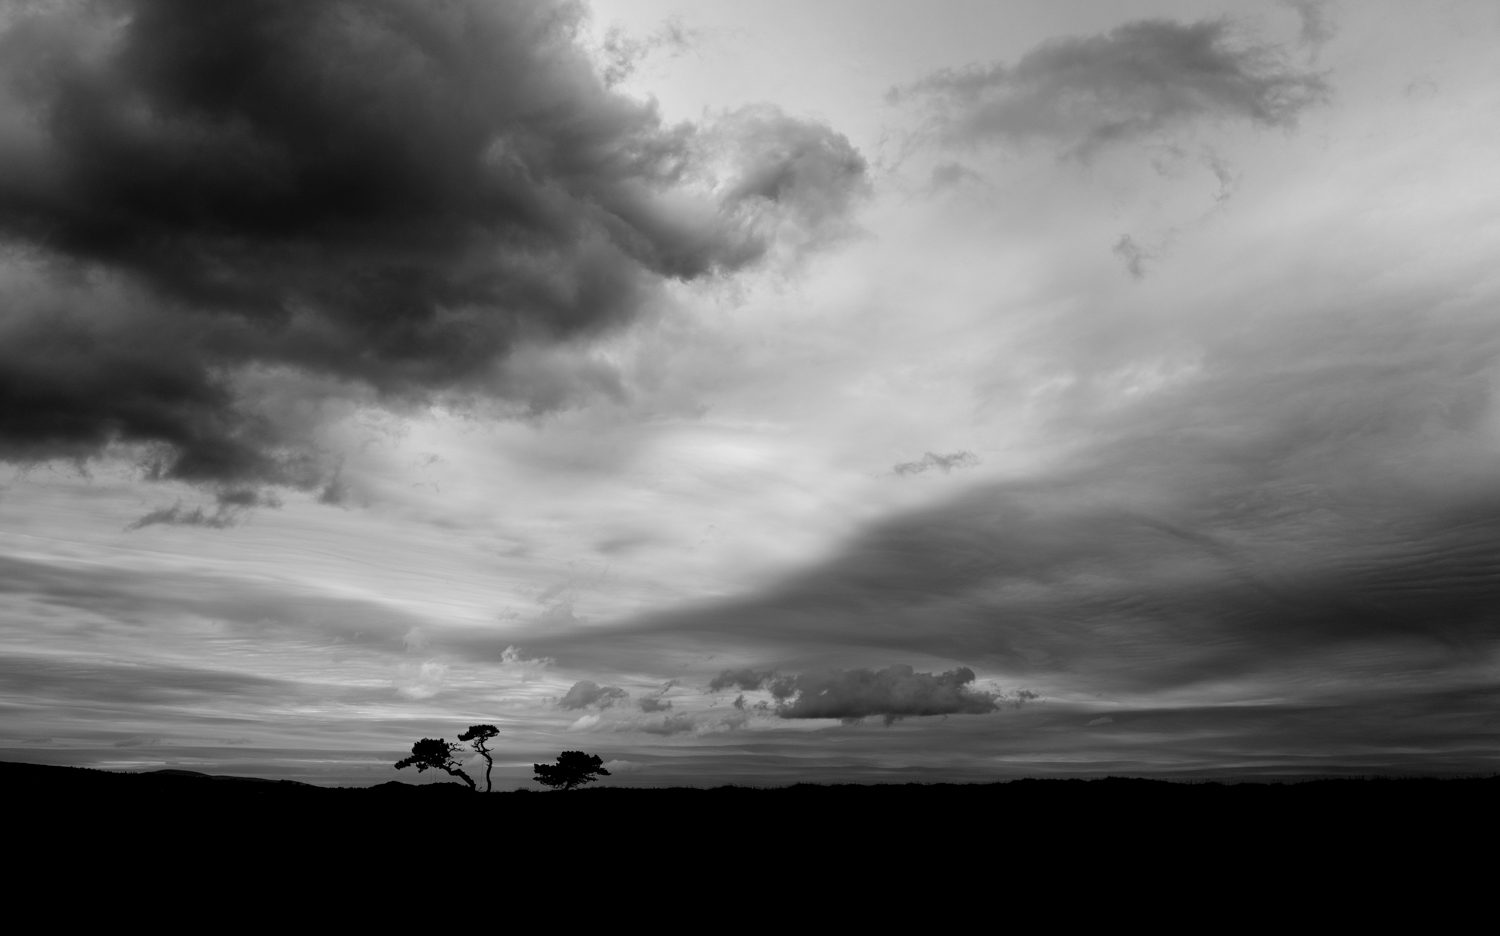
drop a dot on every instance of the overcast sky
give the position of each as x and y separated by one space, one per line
829 390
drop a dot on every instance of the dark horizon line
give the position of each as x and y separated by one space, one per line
9 771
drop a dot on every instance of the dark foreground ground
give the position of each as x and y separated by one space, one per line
1059 847
1010 811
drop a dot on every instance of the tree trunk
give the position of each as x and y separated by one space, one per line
464 777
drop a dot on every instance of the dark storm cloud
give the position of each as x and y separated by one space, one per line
930 460
586 693
385 194
1138 80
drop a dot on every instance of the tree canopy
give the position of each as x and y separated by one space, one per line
573 769
437 754
477 735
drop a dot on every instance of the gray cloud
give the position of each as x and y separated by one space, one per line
1141 79
930 460
951 174
1133 255
623 53
586 693
744 678
658 702
669 725
393 197
793 176
176 515
1317 26
893 693
230 508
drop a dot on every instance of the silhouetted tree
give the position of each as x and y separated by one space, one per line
476 736
439 755
573 768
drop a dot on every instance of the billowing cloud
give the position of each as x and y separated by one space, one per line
1139 80
792 177
587 693
387 200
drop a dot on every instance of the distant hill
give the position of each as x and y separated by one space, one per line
48 780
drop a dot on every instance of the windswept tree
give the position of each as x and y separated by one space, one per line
573 768
437 754
477 735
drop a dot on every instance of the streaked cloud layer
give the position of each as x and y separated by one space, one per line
1115 395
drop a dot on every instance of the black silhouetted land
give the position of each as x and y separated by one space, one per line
1133 848
1015 803
1318 838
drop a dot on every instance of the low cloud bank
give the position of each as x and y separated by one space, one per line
892 693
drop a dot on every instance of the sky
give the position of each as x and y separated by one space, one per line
817 391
